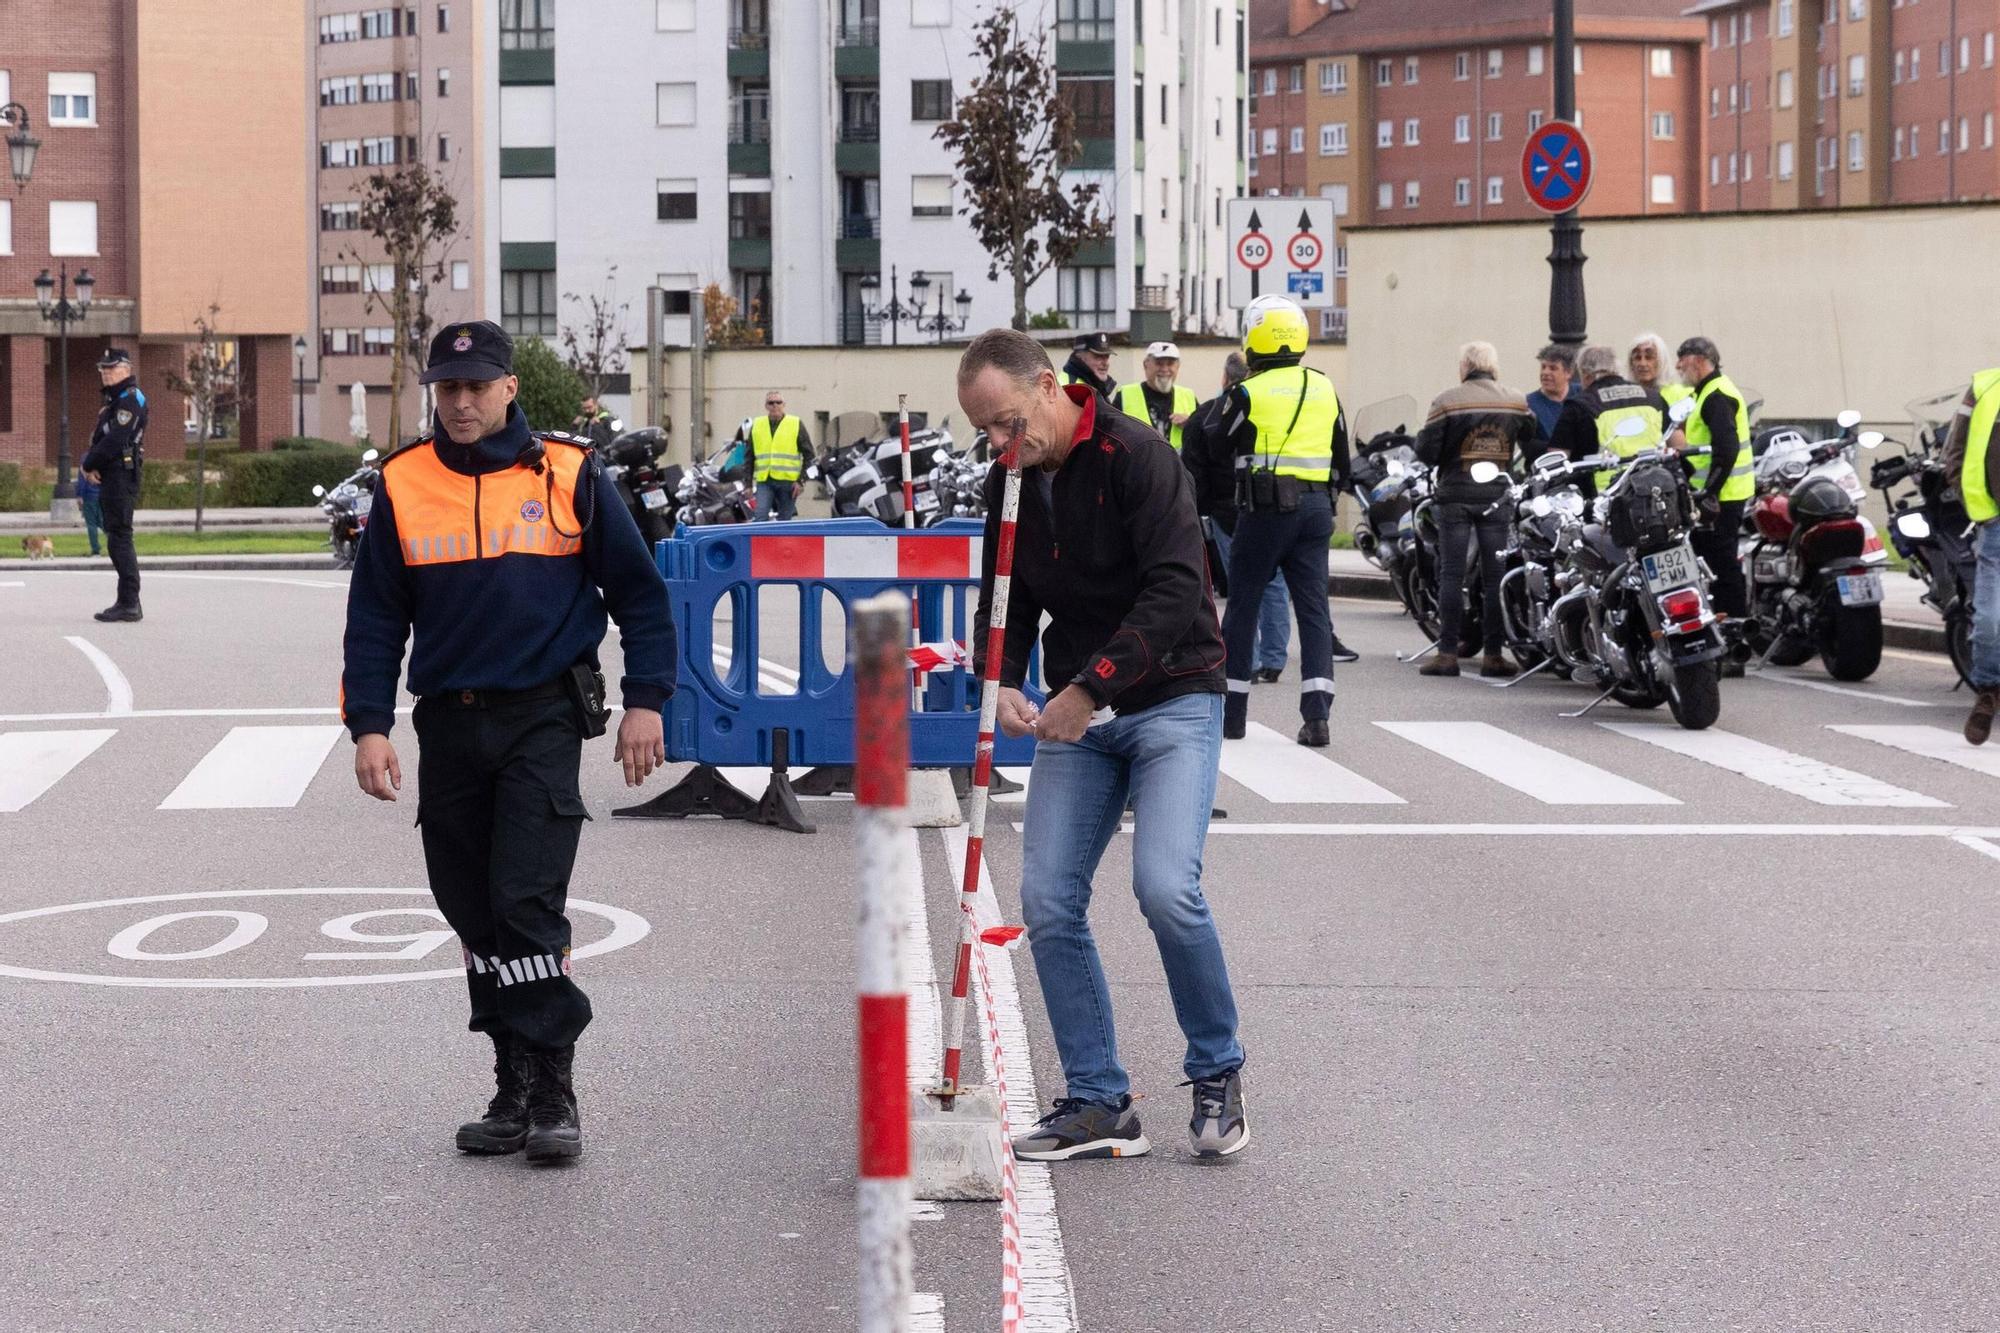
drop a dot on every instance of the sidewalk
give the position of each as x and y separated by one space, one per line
308 516
322 562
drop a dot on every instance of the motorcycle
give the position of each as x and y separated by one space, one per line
714 491
1537 611
1812 561
959 482
346 507
650 491
865 479
1930 529
1390 484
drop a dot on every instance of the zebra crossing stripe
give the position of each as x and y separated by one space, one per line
1930 743
1550 776
255 768
31 762
1284 773
1822 784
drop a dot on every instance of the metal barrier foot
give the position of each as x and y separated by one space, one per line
702 792
998 783
780 806
826 780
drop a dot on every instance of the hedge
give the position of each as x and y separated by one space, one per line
235 479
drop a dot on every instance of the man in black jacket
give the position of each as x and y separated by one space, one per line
1090 364
1108 545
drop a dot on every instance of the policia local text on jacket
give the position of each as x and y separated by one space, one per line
116 454
490 557
1589 420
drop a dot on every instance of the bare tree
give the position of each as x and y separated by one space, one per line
415 218
596 349
212 383
1015 135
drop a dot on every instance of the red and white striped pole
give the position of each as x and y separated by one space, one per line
881 781
982 768
909 481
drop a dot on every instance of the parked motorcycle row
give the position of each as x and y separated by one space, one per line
865 479
346 508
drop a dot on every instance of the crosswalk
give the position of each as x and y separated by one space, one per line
1391 762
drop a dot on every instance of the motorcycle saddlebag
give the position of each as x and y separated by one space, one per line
1647 510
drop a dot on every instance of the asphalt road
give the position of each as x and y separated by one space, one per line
1533 1045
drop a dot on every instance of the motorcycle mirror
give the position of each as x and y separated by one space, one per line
1485 472
616 424
1682 409
1871 439
1628 428
370 455
1395 468
319 492
1848 419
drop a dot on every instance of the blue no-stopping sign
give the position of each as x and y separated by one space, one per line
1555 167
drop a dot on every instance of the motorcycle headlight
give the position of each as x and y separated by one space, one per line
1913 526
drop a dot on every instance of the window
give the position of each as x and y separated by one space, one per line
336 279
1663 189
527 25
1714 103
1663 62
7 225
1785 90
1410 133
1964 53
340 28
345 216
1087 297
1412 192
1663 124
675 200
1732 168
73 99
750 215
1857 75
340 153
1333 140
1714 34
339 342
930 197
1785 160
1535 58
1964 134
1385 73
1337 193
72 227
1576 67
444 18
1493 195
444 83
1330 80
1295 142
1714 169
674 103
1749 165
378 277
1461 192
1785 18
1096 116
1534 120
1492 126
1944 59
1896 75
1461 65
1748 95
1409 69
528 301
1854 150
377 340
444 148
930 99
461 275
1295 79
378 87
1461 129
1270 143
1493 59
1944 137
1986 131
344 91
1086 21
1857 10
1896 150
1986 51
673 15
1270 83
1385 196
1385 133
1749 24
1916 143
1732 99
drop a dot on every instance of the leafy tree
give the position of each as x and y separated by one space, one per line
596 349
551 393
415 218
1015 135
727 326
213 386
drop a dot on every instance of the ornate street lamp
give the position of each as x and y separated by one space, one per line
299 351
53 296
896 311
21 145
941 324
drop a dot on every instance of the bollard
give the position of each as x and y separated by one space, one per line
882 756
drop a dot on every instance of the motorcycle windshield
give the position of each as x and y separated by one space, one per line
1387 414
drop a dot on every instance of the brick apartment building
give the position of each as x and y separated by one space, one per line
392 86
152 174
1416 111
1842 103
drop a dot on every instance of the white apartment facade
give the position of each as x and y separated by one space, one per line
785 152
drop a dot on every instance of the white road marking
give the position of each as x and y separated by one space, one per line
1980 845
211 578
1828 688
1689 832
13 584
255 768
31 762
1930 743
927 1309
179 712
926 1009
1048 1295
1551 777
117 689
1286 773
1822 784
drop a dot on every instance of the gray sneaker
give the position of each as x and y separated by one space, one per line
1078 1128
1218 1127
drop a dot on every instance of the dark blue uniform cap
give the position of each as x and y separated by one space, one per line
480 350
114 356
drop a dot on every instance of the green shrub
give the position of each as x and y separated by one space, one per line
1049 319
551 393
25 489
285 478
290 442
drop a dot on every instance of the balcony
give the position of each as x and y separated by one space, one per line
749 39
857 51
745 130
860 227
749 146
749 55
860 131
857 34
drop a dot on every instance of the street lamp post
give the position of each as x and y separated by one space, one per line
941 324
299 351
1567 315
895 312
52 295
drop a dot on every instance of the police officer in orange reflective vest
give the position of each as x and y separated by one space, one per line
496 551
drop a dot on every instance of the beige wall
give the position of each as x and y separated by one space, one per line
1816 312
867 379
222 215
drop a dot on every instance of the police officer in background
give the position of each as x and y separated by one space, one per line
778 447
1159 399
1592 415
1288 438
117 451
1090 364
500 550
1724 479
1205 451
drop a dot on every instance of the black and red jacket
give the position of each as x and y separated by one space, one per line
1110 548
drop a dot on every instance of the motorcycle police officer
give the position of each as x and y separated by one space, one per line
1592 416
1090 364
117 450
497 550
1724 479
1289 438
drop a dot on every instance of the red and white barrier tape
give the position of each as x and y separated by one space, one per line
1010 1194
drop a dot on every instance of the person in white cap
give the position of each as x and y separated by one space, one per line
1159 398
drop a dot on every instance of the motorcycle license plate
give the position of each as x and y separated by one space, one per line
653 499
1672 569
363 503
926 501
1860 589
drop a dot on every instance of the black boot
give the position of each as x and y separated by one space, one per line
504 1127
555 1130
1315 733
120 612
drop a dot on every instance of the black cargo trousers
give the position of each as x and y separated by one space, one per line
498 804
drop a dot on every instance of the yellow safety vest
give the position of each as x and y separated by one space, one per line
1980 506
1294 410
1673 393
1624 446
1742 482
1132 401
778 457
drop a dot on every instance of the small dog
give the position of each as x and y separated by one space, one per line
39 548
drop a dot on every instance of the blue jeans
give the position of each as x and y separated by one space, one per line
775 500
1986 607
1274 615
1166 757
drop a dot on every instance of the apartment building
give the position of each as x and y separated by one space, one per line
1892 100
1417 111
152 177
786 154
392 86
